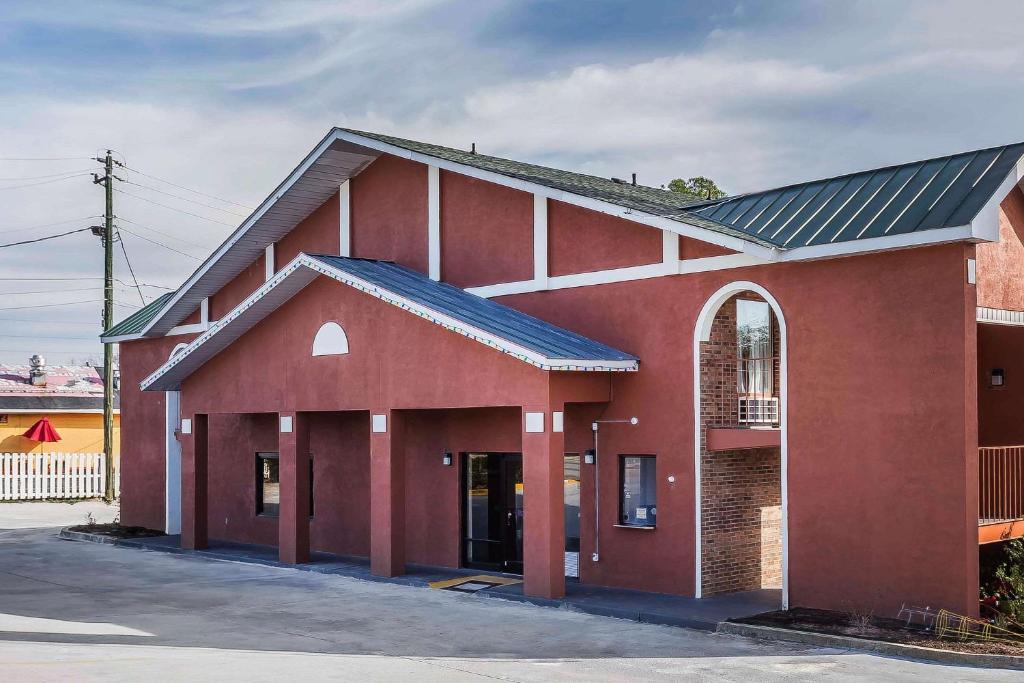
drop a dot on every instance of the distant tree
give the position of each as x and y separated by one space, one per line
699 187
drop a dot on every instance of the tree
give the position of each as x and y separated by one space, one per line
699 187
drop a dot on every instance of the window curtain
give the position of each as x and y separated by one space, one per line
754 348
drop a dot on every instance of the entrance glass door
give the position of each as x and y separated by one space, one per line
492 493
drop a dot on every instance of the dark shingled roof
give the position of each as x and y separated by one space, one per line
945 192
651 200
137 320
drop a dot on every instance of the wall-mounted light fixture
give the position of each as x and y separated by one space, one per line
588 456
446 459
997 378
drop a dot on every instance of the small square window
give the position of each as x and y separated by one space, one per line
3 419
268 484
638 502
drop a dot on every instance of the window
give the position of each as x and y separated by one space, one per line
3 419
638 503
268 484
755 364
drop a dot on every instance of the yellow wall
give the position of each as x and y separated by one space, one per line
79 432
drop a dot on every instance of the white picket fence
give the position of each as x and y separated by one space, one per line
30 476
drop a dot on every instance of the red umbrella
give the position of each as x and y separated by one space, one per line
42 431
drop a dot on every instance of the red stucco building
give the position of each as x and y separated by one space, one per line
429 356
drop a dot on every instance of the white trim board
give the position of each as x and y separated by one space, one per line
981 227
317 267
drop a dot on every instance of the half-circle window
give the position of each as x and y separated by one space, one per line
330 340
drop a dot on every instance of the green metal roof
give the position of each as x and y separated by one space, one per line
650 200
944 192
134 323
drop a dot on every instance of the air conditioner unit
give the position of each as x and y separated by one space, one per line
759 410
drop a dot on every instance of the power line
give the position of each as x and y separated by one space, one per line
185 199
173 208
49 225
65 303
165 234
62 291
43 239
159 244
42 182
37 350
132 271
63 279
182 187
44 321
36 336
51 175
46 159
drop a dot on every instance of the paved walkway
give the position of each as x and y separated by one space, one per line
89 612
652 608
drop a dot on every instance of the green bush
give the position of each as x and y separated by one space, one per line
1002 583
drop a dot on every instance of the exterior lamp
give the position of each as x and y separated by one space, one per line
997 377
446 459
588 456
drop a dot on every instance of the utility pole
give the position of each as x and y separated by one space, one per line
108 320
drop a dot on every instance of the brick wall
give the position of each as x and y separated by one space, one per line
741 491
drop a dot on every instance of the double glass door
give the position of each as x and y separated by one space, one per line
492 498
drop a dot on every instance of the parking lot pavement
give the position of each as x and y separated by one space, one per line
35 515
82 612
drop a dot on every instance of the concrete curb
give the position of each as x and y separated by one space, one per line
85 536
876 646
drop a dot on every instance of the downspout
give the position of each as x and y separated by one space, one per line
596 555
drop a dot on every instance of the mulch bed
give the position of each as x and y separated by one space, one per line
872 628
117 531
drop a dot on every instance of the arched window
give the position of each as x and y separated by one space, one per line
330 340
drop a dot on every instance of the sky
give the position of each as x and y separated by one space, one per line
224 98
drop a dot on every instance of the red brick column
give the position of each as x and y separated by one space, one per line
194 450
543 501
387 494
293 520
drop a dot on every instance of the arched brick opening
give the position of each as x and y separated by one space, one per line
739 376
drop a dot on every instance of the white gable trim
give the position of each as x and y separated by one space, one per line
304 262
980 229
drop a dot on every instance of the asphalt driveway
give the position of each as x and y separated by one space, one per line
82 612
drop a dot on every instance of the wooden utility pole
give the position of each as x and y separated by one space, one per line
108 320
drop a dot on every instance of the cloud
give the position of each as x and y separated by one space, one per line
227 97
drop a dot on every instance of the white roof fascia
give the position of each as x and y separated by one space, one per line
980 229
240 232
985 226
876 244
452 324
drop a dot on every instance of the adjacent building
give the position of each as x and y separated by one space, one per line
419 354
70 396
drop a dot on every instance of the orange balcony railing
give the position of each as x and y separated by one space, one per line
1001 495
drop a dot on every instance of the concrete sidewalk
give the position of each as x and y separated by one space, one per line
651 608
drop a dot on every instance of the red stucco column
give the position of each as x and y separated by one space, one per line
543 500
194 450
387 494
293 519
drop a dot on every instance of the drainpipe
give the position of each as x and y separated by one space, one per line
596 555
